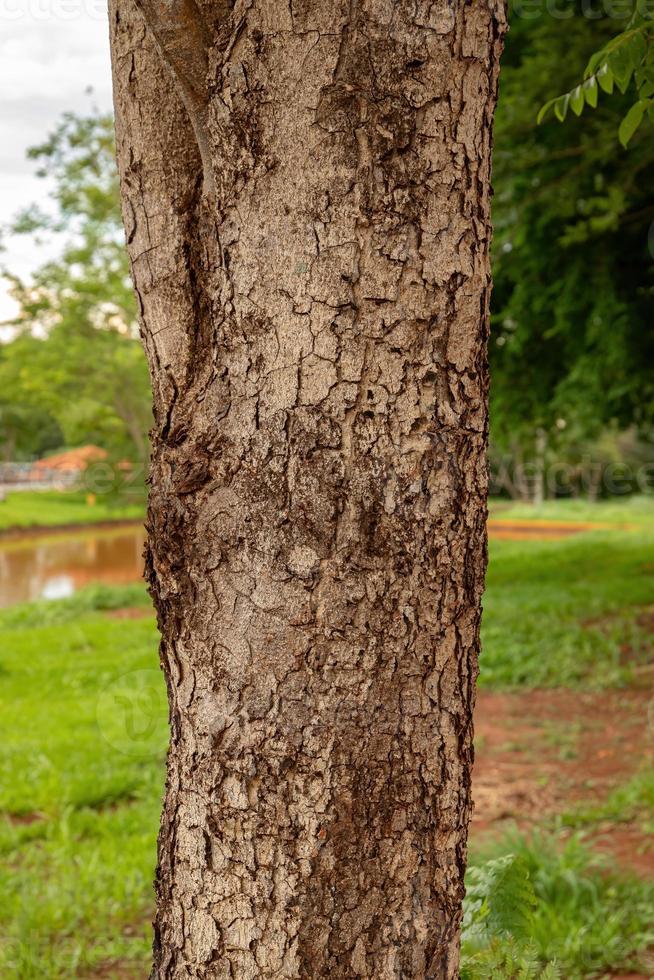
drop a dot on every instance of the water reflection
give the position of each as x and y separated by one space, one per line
53 567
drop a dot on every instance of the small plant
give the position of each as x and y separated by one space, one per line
550 908
498 922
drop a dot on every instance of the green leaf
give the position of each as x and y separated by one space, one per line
605 79
595 61
638 48
632 121
561 106
622 69
623 82
544 110
590 92
644 74
577 100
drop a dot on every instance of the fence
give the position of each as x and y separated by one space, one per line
25 476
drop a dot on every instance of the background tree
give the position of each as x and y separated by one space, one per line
76 358
26 430
573 267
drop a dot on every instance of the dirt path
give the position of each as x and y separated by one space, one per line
546 753
539 530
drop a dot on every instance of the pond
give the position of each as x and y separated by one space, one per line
54 566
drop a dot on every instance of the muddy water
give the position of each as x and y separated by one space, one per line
55 566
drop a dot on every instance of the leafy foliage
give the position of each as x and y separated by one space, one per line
572 343
507 959
498 921
573 918
500 899
626 58
76 358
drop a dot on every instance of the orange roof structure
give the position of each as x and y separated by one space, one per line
72 461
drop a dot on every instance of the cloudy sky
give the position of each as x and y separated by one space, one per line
51 51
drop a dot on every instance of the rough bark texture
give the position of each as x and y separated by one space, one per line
306 199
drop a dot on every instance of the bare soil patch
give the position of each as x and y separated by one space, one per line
23 819
543 753
522 530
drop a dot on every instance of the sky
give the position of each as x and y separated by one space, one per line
51 52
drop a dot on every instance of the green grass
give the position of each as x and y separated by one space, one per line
638 509
556 613
49 508
82 735
632 802
83 732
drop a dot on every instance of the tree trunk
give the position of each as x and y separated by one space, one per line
306 199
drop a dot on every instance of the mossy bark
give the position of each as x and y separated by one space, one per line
306 193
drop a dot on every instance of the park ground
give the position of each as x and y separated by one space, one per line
562 854
20 512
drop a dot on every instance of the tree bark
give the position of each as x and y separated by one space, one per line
306 193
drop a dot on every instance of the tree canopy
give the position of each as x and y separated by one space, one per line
76 360
572 343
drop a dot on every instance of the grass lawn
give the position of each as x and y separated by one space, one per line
617 510
82 740
45 508
80 798
50 507
567 612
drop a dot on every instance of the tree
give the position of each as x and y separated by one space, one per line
76 354
572 260
306 199
25 431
